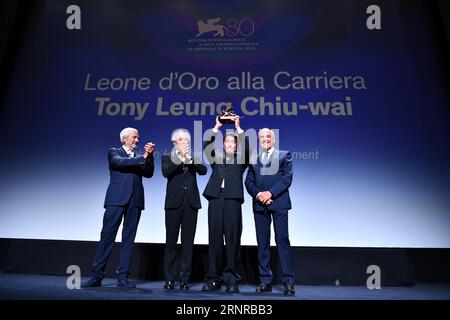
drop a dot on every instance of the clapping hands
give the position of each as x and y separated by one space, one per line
149 148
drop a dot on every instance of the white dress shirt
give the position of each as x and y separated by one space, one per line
129 151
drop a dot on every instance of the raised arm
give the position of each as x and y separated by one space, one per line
118 162
149 166
199 167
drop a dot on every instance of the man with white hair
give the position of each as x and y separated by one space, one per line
268 183
124 200
181 205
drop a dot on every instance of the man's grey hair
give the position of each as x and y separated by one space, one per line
176 132
267 129
126 132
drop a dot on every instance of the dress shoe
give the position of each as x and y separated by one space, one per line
232 288
264 287
184 285
289 289
92 282
168 285
125 283
211 285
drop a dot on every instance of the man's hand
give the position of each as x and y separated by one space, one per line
218 124
184 149
149 148
265 197
185 153
237 122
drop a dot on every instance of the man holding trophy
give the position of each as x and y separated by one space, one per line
224 192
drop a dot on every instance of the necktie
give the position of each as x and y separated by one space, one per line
265 159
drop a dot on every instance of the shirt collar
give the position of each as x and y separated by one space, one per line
270 151
127 150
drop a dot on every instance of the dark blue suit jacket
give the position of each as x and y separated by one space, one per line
278 184
126 177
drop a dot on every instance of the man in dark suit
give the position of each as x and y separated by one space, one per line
124 199
182 204
225 194
268 183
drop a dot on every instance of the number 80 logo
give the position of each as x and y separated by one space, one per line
244 27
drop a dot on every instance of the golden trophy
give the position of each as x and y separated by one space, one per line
227 116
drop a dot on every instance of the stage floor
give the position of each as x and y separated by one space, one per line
39 287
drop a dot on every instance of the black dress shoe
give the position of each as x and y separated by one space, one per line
92 282
232 288
125 283
184 285
289 289
211 286
169 285
264 287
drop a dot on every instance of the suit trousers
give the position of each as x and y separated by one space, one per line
184 218
280 225
111 222
224 220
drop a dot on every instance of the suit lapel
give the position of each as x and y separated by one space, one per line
123 152
275 156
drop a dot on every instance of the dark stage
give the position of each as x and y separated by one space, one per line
37 287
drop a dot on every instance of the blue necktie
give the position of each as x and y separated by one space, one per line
265 158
